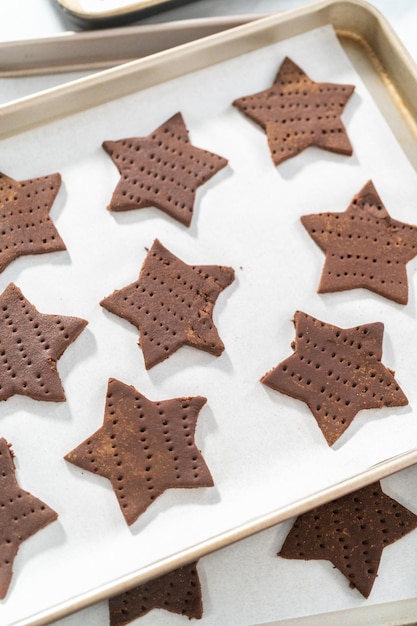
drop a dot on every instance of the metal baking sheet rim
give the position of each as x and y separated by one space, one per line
355 17
95 50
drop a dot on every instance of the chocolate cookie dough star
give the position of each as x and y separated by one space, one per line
144 448
336 372
351 532
172 304
163 170
30 345
297 113
178 592
364 247
26 227
21 516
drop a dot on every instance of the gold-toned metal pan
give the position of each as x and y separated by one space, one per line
223 540
391 76
99 49
364 32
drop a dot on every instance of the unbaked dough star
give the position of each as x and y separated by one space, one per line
297 112
30 345
144 448
364 247
21 516
178 591
163 170
171 304
336 372
351 532
26 227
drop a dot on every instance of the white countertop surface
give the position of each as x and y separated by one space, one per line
27 19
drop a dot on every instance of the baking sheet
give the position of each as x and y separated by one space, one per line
246 584
91 50
264 450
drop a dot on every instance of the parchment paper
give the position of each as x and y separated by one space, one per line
263 449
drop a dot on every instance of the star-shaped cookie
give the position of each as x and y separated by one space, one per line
297 112
364 247
144 448
350 532
336 372
163 170
26 227
178 592
30 345
21 516
171 304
